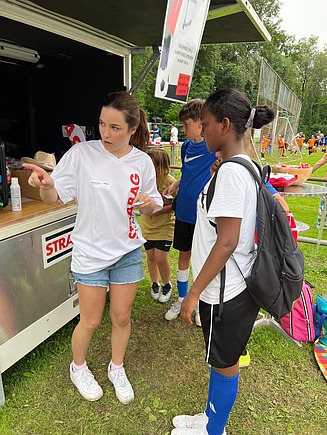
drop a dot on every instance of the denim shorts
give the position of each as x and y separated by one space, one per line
127 270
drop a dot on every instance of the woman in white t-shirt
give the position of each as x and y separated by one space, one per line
108 178
225 117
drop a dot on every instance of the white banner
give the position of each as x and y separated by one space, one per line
183 30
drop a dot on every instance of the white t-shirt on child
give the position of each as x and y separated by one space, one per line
235 196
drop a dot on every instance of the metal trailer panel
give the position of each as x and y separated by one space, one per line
35 301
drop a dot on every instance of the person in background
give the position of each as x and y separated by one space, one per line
107 178
301 140
158 230
318 165
196 163
226 116
173 135
281 145
155 130
311 144
323 147
264 146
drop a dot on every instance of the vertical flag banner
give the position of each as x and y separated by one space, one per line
183 30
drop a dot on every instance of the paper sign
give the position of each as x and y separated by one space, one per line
183 30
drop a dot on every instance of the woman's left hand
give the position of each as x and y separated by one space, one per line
188 305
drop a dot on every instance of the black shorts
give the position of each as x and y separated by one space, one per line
162 245
226 339
183 236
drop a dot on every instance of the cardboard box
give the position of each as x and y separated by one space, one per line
27 191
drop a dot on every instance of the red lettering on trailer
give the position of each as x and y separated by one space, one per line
58 245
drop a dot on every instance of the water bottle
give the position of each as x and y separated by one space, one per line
16 198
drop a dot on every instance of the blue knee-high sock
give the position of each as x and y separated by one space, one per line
209 394
223 393
182 282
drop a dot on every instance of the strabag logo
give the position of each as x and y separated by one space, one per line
57 245
134 190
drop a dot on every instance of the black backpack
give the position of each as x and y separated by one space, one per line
276 277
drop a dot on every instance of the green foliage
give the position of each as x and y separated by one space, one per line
171 113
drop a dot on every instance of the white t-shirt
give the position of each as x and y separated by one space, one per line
104 186
174 134
235 196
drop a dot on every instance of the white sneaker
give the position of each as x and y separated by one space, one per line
197 316
165 293
123 388
87 386
188 431
174 311
196 421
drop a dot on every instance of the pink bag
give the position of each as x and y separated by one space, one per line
299 323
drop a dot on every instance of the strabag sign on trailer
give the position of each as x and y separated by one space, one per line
57 245
183 30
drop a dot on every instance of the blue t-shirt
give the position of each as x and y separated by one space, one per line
271 189
196 164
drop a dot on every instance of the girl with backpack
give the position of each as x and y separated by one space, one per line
226 115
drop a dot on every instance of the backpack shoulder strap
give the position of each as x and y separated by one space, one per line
210 193
264 174
260 179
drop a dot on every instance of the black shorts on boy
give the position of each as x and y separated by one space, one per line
183 236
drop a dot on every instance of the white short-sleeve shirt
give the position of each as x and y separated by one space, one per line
235 196
104 186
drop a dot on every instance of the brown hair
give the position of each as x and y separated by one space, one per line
191 110
161 163
134 116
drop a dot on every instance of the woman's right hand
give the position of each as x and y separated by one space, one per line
39 177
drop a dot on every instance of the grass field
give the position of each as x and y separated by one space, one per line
281 392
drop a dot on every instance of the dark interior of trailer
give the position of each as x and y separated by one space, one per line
67 85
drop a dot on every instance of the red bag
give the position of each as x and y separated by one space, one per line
299 323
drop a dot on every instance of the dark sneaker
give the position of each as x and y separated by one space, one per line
155 291
165 292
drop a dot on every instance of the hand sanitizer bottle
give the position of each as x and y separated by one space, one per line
16 198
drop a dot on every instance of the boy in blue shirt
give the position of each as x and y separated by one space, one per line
196 163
